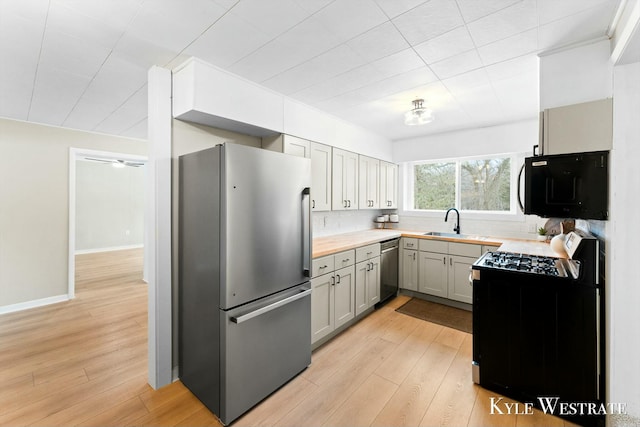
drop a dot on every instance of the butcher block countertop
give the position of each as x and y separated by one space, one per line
328 245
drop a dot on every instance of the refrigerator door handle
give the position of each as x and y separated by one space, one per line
306 232
270 307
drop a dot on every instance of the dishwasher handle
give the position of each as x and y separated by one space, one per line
394 248
270 307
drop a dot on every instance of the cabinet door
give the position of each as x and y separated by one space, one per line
373 282
296 146
388 185
322 309
320 177
361 286
459 288
579 127
368 183
409 270
432 274
344 180
344 294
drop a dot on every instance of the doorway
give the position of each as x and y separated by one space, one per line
103 204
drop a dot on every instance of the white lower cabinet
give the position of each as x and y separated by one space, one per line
442 268
432 274
367 284
332 293
409 269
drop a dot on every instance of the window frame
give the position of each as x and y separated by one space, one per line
407 188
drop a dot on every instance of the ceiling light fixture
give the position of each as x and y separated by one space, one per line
419 115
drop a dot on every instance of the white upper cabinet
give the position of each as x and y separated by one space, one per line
576 128
344 180
369 183
321 160
288 144
388 185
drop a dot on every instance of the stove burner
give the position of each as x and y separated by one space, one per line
547 266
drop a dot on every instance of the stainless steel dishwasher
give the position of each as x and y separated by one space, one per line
389 269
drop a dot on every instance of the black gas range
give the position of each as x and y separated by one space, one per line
538 325
530 264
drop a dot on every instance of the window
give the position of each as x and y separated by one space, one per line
474 184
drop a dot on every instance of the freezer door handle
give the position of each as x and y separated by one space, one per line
271 307
306 232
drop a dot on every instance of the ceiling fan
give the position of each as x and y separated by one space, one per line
118 163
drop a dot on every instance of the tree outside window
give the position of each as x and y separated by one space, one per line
482 184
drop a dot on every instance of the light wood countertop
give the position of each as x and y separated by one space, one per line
328 245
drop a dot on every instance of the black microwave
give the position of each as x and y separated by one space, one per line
567 185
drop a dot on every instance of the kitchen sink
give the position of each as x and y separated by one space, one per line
440 234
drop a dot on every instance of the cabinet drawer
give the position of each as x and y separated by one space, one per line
365 252
410 243
344 259
465 249
434 246
323 265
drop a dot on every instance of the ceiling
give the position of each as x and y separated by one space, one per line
83 63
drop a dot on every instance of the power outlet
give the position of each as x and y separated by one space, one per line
531 228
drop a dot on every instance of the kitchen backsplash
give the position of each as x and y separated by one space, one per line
337 222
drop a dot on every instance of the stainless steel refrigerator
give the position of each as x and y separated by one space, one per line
244 267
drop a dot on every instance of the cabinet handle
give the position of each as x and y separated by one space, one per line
450 261
313 204
349 202
410 245
321 267
371 265
344 203
338 280
444 260
333 280
414 256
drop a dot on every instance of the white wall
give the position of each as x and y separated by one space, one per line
576 75
109 206
623 291
515 137
34 189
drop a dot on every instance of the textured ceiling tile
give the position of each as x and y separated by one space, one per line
127 116
350 18
139 130
173 26
378 42
449 44
512 47
63 52
400 62
586 25
393 8
228 41
48 104
270 17
552 10
318 69
63 19
457 64
343 83
429 20
115 13
513 67
464 83
302 43
312 6
475 9
507 22
142 53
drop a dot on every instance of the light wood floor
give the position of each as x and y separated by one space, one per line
84 362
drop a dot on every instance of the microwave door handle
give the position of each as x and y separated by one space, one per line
519 196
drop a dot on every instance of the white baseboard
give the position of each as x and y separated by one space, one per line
109 249
33 304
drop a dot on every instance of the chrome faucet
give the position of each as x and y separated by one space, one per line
456 228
